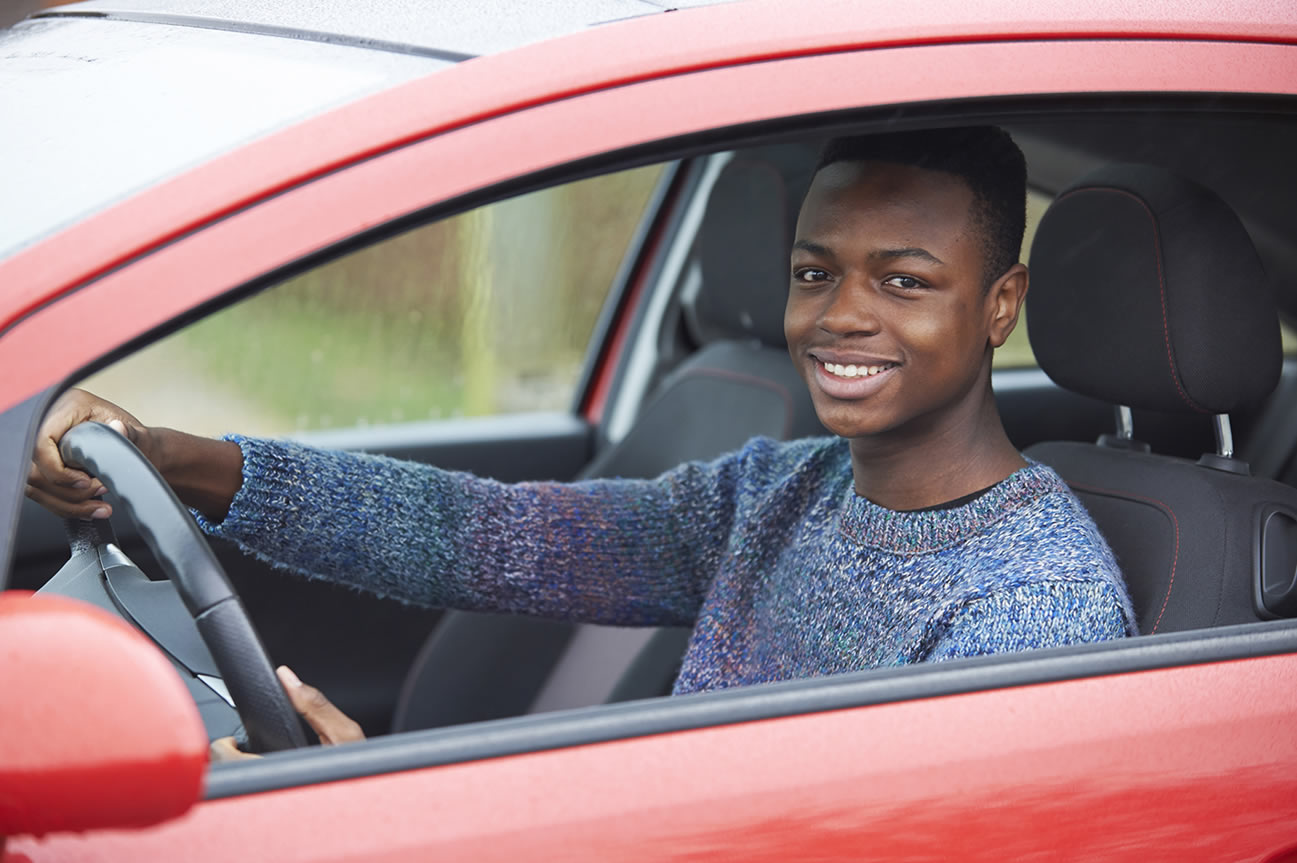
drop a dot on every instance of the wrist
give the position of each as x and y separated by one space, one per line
154 443
204 473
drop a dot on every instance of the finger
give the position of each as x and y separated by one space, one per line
81 492
49 461
89 509
224 749
331 724
73 407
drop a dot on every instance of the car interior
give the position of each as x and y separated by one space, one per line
1162 394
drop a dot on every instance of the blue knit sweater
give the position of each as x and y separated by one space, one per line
768 552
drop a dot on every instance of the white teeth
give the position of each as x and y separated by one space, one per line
853 371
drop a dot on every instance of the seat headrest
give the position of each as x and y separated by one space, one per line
1146 291
743 248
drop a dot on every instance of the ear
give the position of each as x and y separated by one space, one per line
1004 302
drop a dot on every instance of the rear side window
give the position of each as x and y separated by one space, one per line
1016 352
489 312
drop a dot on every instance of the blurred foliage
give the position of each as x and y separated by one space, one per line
489 311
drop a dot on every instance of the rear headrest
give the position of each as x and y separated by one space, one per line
1146 291
743 246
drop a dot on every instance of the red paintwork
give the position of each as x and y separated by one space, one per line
1186 764
128 303
96 729
609 56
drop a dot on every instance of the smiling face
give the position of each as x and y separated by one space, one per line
888 319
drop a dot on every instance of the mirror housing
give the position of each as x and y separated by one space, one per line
97 729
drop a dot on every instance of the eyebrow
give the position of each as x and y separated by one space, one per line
877 254
813 248
911 252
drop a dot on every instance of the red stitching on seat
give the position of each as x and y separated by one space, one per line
1161 286
1175 524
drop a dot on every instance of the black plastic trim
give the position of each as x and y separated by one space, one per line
17 424
526 734
204 23
690 178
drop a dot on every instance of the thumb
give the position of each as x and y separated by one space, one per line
127 431
331 724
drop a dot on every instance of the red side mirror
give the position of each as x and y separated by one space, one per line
97 729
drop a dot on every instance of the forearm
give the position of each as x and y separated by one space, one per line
612 552
205 474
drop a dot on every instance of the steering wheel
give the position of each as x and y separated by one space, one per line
173 536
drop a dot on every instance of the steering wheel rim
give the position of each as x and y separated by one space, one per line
171 533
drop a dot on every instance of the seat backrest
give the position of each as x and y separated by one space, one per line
739 384
1146 292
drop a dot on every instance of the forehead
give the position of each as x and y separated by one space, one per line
886 202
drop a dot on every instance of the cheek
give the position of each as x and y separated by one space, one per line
946 335
797 313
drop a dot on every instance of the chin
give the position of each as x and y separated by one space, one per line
848 423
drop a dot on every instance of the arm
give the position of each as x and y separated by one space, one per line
612 551
609 551
1041 614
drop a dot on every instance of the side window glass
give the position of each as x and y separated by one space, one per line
489 312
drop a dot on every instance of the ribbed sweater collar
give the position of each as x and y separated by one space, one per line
869 524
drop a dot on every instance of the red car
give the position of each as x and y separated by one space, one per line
562 256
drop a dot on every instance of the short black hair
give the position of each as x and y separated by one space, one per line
984 157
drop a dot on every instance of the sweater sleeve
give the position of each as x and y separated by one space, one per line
620 552
1040 614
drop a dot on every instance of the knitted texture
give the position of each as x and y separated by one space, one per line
768 552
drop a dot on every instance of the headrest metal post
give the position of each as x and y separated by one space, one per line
1125 423
1224 437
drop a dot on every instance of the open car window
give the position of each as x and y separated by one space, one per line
487 313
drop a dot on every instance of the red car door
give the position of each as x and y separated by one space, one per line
1174 746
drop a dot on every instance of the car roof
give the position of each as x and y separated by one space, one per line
451 27
110 97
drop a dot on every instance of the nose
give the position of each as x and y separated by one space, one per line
851 308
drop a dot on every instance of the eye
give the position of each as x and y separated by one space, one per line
810 274
905 283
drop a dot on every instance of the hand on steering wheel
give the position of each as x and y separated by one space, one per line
331 724
170 531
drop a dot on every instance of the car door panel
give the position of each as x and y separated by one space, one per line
1089 768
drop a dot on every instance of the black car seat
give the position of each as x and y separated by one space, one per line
739 383
1146 292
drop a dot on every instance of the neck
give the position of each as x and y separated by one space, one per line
926 464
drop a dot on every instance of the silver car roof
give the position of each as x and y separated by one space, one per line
103 98
459 27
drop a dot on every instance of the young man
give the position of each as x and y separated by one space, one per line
918 534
